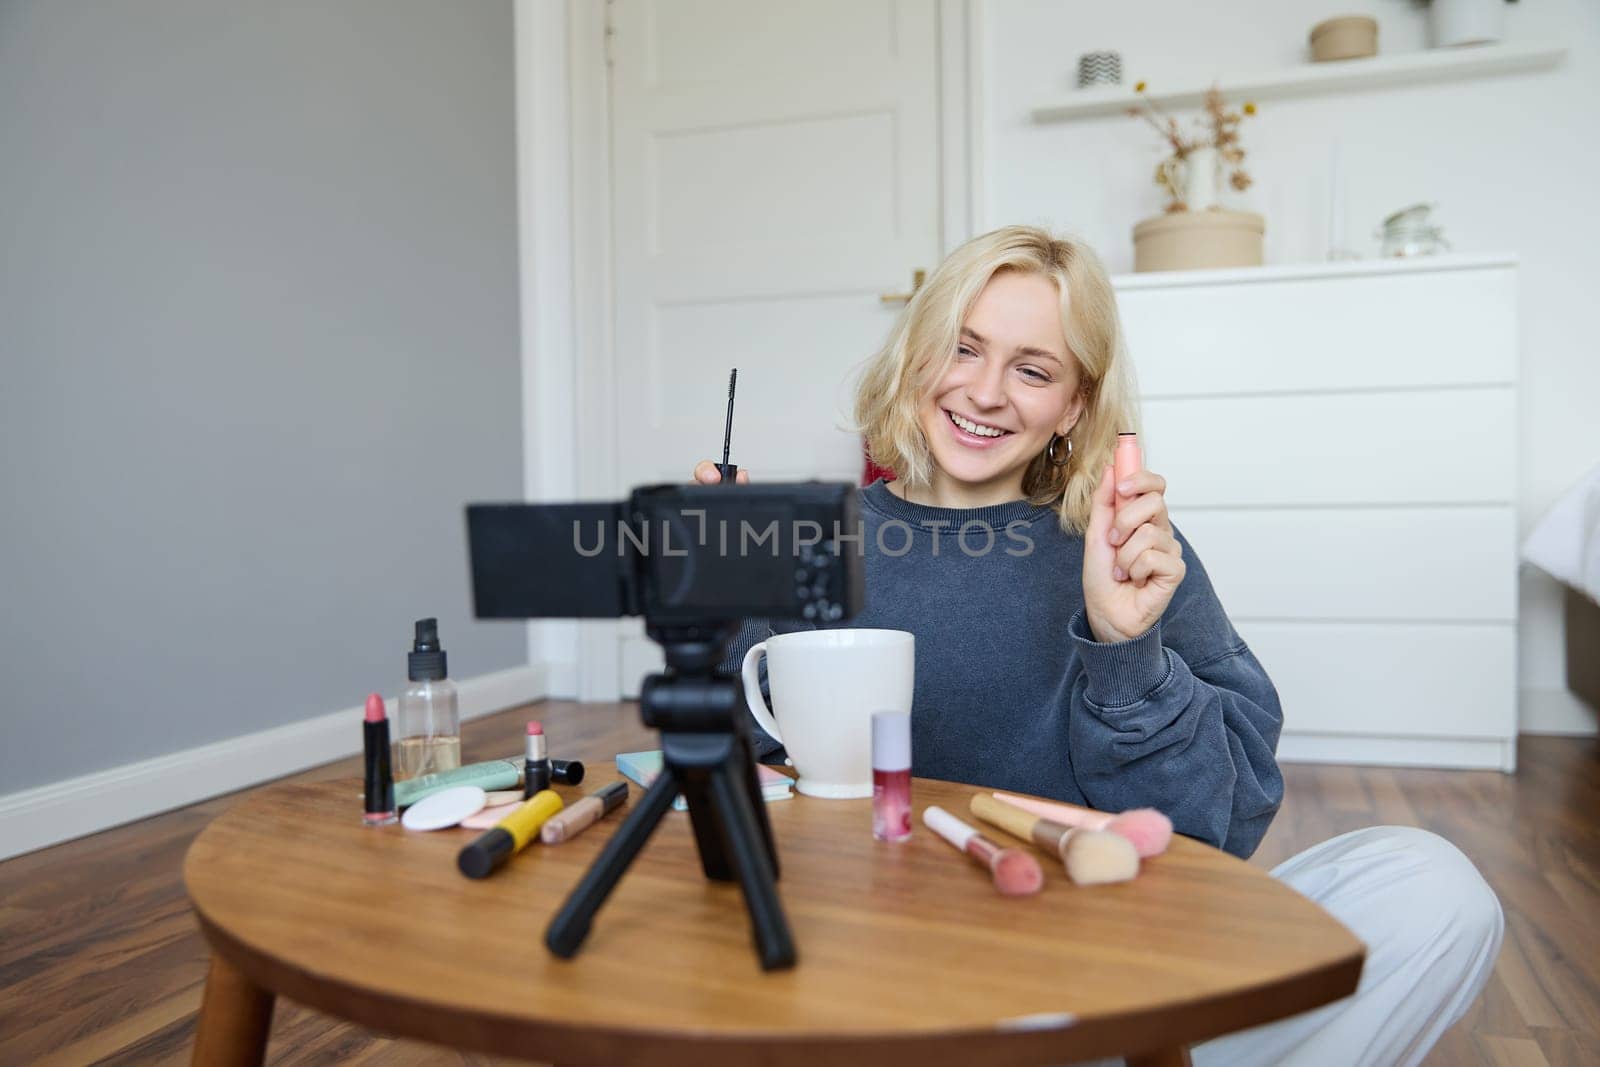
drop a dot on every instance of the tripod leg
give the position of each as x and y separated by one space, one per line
758 809
747 850
571 924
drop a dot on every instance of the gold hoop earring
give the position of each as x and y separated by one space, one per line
1050 450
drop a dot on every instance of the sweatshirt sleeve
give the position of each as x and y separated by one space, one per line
1182 718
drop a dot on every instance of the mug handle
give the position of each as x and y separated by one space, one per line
751 672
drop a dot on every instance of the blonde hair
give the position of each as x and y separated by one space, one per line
924 340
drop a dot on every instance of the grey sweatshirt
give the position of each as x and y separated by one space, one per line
1013 692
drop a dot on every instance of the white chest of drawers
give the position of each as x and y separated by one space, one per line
1340 445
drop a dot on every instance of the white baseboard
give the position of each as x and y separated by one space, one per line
1555 711
561 681
1490 754
50 814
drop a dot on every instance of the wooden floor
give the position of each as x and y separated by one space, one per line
100 960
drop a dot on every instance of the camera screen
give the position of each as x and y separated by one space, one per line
672 554
742 562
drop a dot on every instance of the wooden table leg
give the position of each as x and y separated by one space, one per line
1167 1057
235 1016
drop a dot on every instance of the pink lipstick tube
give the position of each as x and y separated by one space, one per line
379 792
1129 459
535 761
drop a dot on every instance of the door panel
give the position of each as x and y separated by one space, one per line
775 168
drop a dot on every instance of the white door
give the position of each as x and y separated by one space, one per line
775 171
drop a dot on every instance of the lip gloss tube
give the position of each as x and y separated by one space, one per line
379 791
1129 459
584 814
891 775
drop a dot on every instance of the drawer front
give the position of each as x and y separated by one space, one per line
1452 446
1454 327
1397 680
1442 564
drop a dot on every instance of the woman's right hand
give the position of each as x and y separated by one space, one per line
706 473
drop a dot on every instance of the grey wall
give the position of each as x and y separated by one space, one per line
258 344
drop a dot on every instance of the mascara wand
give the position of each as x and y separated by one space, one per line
729 471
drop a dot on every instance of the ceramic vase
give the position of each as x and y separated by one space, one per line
1200 179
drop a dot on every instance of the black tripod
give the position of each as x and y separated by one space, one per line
706 756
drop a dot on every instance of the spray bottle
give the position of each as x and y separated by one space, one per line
429 721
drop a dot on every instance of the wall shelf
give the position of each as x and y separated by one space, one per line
1379 72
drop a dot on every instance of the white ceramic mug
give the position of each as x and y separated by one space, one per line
825 686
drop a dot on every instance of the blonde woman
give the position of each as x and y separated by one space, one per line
1069 643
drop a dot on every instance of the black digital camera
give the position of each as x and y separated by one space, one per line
674 554
693 560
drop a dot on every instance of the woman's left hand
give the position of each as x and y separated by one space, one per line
1132 561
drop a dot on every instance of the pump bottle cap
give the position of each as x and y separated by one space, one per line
427 661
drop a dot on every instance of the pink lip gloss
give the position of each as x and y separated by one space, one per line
891 775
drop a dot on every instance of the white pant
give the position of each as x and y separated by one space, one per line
1432 928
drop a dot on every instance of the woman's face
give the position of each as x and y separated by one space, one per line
1010 387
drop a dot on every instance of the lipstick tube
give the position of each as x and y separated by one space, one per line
562 771
1129 460
535 761
379 784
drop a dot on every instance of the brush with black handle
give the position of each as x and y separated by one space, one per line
729 471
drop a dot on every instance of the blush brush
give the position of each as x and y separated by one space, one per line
1091 857
1015 873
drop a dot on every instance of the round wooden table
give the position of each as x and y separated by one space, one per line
907 955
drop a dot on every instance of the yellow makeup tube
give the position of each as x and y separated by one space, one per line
508 836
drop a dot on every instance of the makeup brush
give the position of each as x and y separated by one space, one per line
729 471
1092 857
1015 873
1148 829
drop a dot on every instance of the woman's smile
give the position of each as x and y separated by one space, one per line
974 433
